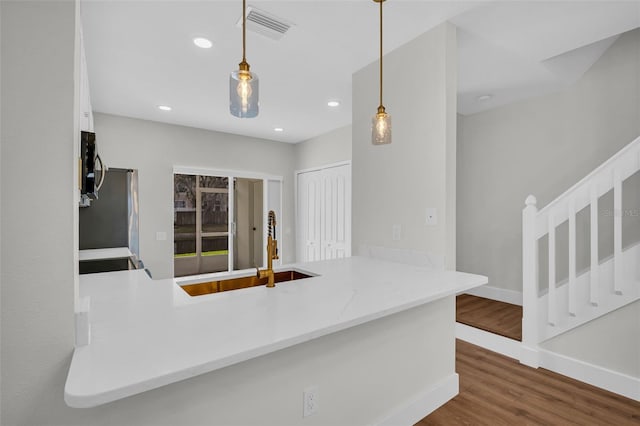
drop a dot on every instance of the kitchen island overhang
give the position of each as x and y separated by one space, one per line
147 334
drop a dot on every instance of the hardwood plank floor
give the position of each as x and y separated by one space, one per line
500 318
497 390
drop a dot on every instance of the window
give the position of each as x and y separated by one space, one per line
219 221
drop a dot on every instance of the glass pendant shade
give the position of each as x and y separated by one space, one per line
243 93
381 128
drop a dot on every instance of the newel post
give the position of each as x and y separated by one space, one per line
529 352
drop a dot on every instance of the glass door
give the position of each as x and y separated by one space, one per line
219 221
212 241
184 225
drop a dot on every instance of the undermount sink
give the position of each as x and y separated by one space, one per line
209 287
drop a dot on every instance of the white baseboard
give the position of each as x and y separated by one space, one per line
604 378
493 342
499 294
424 404
529 356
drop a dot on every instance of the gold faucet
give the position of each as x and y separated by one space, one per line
272 251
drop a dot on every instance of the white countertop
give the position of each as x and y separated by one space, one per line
104 253
149 333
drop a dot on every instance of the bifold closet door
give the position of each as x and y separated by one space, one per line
324 214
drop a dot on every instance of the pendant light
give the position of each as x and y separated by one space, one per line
381 129
243 84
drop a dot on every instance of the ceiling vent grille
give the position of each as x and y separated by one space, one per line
266 24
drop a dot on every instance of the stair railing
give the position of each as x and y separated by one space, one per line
536 224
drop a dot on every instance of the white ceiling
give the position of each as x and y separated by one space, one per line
140 55
516 50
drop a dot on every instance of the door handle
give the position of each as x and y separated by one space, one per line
103 172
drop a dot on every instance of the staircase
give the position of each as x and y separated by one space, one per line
605 285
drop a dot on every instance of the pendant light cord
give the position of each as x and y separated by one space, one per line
244 30
380 53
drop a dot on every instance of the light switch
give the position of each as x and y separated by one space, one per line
432 216
161 236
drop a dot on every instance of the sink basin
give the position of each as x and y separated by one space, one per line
208 287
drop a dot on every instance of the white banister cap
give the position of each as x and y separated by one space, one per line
531 201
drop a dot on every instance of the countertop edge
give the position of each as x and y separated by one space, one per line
77 400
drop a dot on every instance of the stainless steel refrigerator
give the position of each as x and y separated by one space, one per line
112 221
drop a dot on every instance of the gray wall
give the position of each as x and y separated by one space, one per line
38 187
611 342
542 147
155 148
394 184
332 147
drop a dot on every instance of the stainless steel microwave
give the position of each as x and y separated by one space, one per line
92 169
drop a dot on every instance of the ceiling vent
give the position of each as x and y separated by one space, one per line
265 24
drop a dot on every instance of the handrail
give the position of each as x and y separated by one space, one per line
635 144
562 307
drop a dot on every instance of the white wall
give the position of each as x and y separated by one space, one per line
155 148
541 146
38 191
329 148
394 184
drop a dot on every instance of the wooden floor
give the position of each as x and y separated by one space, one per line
490 315
497 390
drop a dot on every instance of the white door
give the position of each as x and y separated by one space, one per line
336 212
309 196
324 213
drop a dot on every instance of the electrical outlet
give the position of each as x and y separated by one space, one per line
396 232
310 401
161 236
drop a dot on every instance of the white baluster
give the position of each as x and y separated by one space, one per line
572 258
552 314
617 232
529 353
595 264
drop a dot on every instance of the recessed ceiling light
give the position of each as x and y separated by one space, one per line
164 107
333 104
278 129
484 98
202 42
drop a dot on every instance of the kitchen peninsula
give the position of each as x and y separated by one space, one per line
366 332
